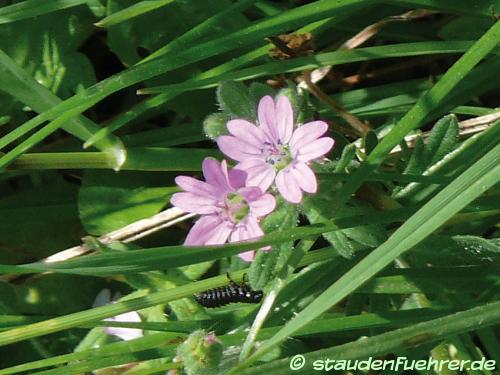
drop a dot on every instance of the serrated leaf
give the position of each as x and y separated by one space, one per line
442 140
267 263
235 100
215 125
368 235
341 243
318 209
457 250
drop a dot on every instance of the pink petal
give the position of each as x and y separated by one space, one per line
236 234
305 177
260 173
190 202
247 230
284 117
215 174
247 256
251 193
197 187
315 149
253 227
307 133
255 231
237 178
262 206
288 187
208 230
236 148
267 117
247 131
239 234
220 234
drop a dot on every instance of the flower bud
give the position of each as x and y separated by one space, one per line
201 353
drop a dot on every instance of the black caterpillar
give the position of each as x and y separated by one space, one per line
233 292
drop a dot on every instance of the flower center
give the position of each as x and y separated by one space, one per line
278 155
236 207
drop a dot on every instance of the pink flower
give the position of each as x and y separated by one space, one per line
230 208
274 151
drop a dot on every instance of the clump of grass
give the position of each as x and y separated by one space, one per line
399 246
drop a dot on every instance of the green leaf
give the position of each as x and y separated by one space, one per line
33 8
267 263
417 164
319 209
258 90
133 26
221 22
132 11
48 213
235 100
108 201
47 49
442 140
215 125
368 235
57 294
347 156
455 162
460 250
22 86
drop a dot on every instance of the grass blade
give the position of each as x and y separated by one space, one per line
132 11
33 8
426 104
138 73
468 186
395 341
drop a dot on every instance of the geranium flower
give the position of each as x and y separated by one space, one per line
273 151
230 207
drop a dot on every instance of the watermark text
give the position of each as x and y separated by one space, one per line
298 362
